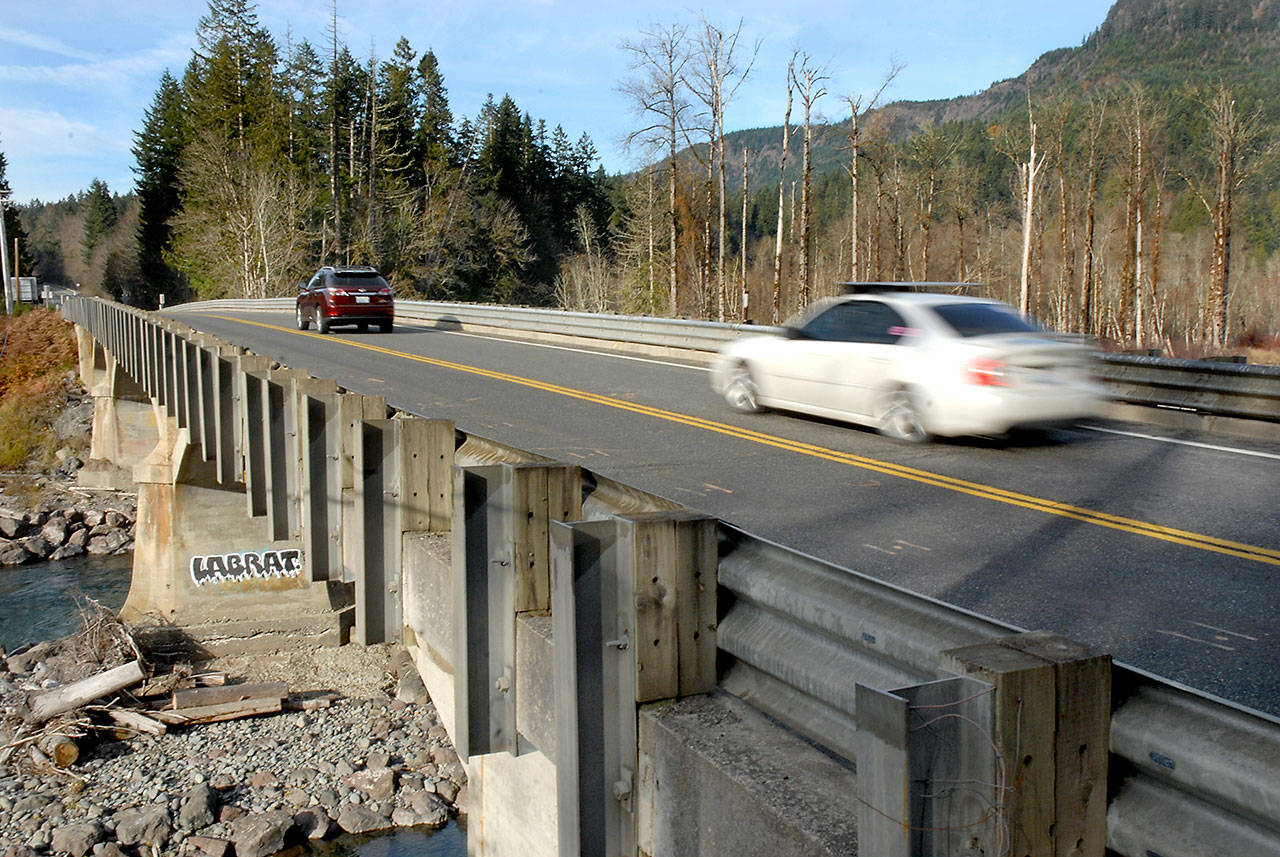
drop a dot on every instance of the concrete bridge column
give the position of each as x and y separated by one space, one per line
124 424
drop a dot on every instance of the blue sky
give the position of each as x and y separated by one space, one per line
77 75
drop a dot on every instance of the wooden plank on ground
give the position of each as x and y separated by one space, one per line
224 711
200 696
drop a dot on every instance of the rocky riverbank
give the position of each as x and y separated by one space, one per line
67 528
375 759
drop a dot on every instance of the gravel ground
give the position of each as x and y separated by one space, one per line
369 762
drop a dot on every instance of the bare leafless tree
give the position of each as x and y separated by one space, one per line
809 79
782 184
715 77
1236 149
1094 125
656 90
859 106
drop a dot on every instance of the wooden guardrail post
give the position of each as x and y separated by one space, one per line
501 568
1052 722
634 615
400 465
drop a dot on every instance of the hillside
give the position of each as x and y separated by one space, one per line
1167 45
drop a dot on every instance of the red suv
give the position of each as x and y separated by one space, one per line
345 295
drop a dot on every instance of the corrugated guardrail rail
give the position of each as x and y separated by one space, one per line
1190 775
1243 391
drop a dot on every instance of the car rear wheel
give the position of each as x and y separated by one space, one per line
740 390
322 323
303 322
900 418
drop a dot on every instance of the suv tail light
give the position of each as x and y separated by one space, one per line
985 372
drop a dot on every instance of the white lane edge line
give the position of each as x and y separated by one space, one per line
516 341
1197 444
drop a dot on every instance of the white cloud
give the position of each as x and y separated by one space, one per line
119 75
46 134
35 41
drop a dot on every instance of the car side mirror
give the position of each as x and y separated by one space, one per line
302 287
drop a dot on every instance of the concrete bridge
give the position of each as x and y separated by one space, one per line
622 676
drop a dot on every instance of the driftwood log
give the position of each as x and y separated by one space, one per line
136 722
69 697
61 750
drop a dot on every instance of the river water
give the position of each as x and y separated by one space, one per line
40 602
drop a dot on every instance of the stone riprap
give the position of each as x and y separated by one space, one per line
251 787
51 531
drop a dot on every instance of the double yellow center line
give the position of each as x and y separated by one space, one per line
887 468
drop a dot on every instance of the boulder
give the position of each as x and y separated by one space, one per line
78 538
116 520
260 834
426 810
12 553
107 543
377 783
11 526
77 839
148 825
199 808
55 532
67 552
209 846
37 546
313 823
355 818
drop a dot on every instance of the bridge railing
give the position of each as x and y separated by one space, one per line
820 648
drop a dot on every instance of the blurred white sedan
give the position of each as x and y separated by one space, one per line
912 364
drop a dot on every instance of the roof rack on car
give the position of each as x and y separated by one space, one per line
903 286
356 269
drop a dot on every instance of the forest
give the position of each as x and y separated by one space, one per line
1125 189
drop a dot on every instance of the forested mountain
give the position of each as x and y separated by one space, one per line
1154 212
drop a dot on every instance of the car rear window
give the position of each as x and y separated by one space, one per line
357 278
975 319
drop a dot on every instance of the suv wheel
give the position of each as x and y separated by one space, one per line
303 323
322 323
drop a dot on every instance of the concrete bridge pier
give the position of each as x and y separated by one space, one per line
211 571
209 576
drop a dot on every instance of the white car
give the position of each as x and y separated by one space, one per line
912 364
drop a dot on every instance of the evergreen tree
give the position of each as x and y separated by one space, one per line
99 216
158 150
434 140
13 230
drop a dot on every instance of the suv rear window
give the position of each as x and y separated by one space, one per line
975 319
368 280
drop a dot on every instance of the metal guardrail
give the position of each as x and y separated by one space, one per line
1240 391
1247 391
1190 775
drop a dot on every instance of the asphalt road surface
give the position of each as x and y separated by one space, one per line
1162 548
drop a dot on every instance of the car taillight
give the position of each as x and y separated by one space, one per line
985 372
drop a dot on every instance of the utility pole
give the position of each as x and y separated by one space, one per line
4 263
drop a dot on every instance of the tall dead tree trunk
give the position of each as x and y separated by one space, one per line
742 247
782 180
809 84
659 62
1095 122
1030 171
